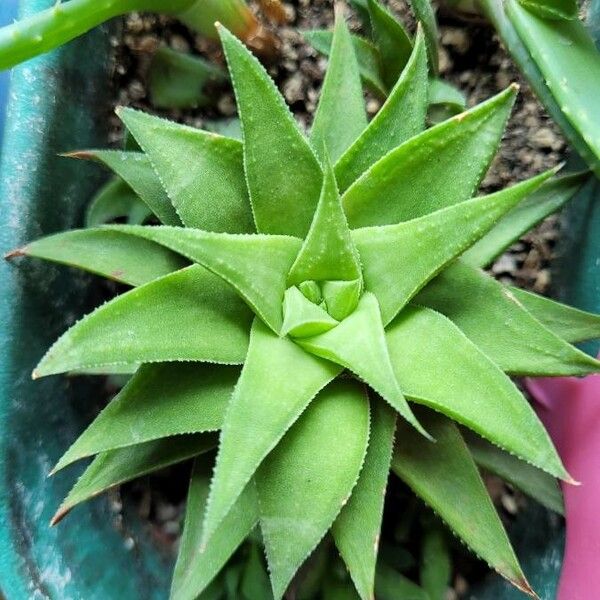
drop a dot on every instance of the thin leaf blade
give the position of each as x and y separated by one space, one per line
450 158
212 195
340 116
470 514
188 315
401 117
174 399
317 473
111 254
481 397
357 529
257 418
279 163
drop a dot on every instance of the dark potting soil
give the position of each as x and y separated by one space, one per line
471 58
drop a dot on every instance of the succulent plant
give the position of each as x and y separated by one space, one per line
320 302
57 25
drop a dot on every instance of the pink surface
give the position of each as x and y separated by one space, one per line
570 409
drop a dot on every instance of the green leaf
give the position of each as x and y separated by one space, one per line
520 344
391 585
450 158
445 477
358 343
174 398
121 257
328 252
367 55
303 318
392 41
119 466
481 397
572 75
436 564
340 116
135 169
541 203
569 323
401 117
188 315
358 527
341 297
428 244
178 80
196 568
212 195
283 174
306 480
116 200
259 415
445 101
552 9
424 13
255 580
537 484
495 12
255 265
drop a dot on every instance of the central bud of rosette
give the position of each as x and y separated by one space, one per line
325 282
314 307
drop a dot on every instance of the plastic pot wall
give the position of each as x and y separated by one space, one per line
58 102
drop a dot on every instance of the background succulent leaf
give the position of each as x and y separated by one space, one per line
116 200
534 482
179 80
572 75
340 116
552 9
115 467
482 397
328 252
283 174
450 158
392 41
196 568
428 244
445 100
174 398
424 13
521 345
255 582
191 314
551 196
256 266
124 258
358 343
436 564
391 585
212 195
357 528
496 13
367 55
304 482
470 513
401 117
569 323
136 170
258 415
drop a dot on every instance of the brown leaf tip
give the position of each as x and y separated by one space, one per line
60 514
16 252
